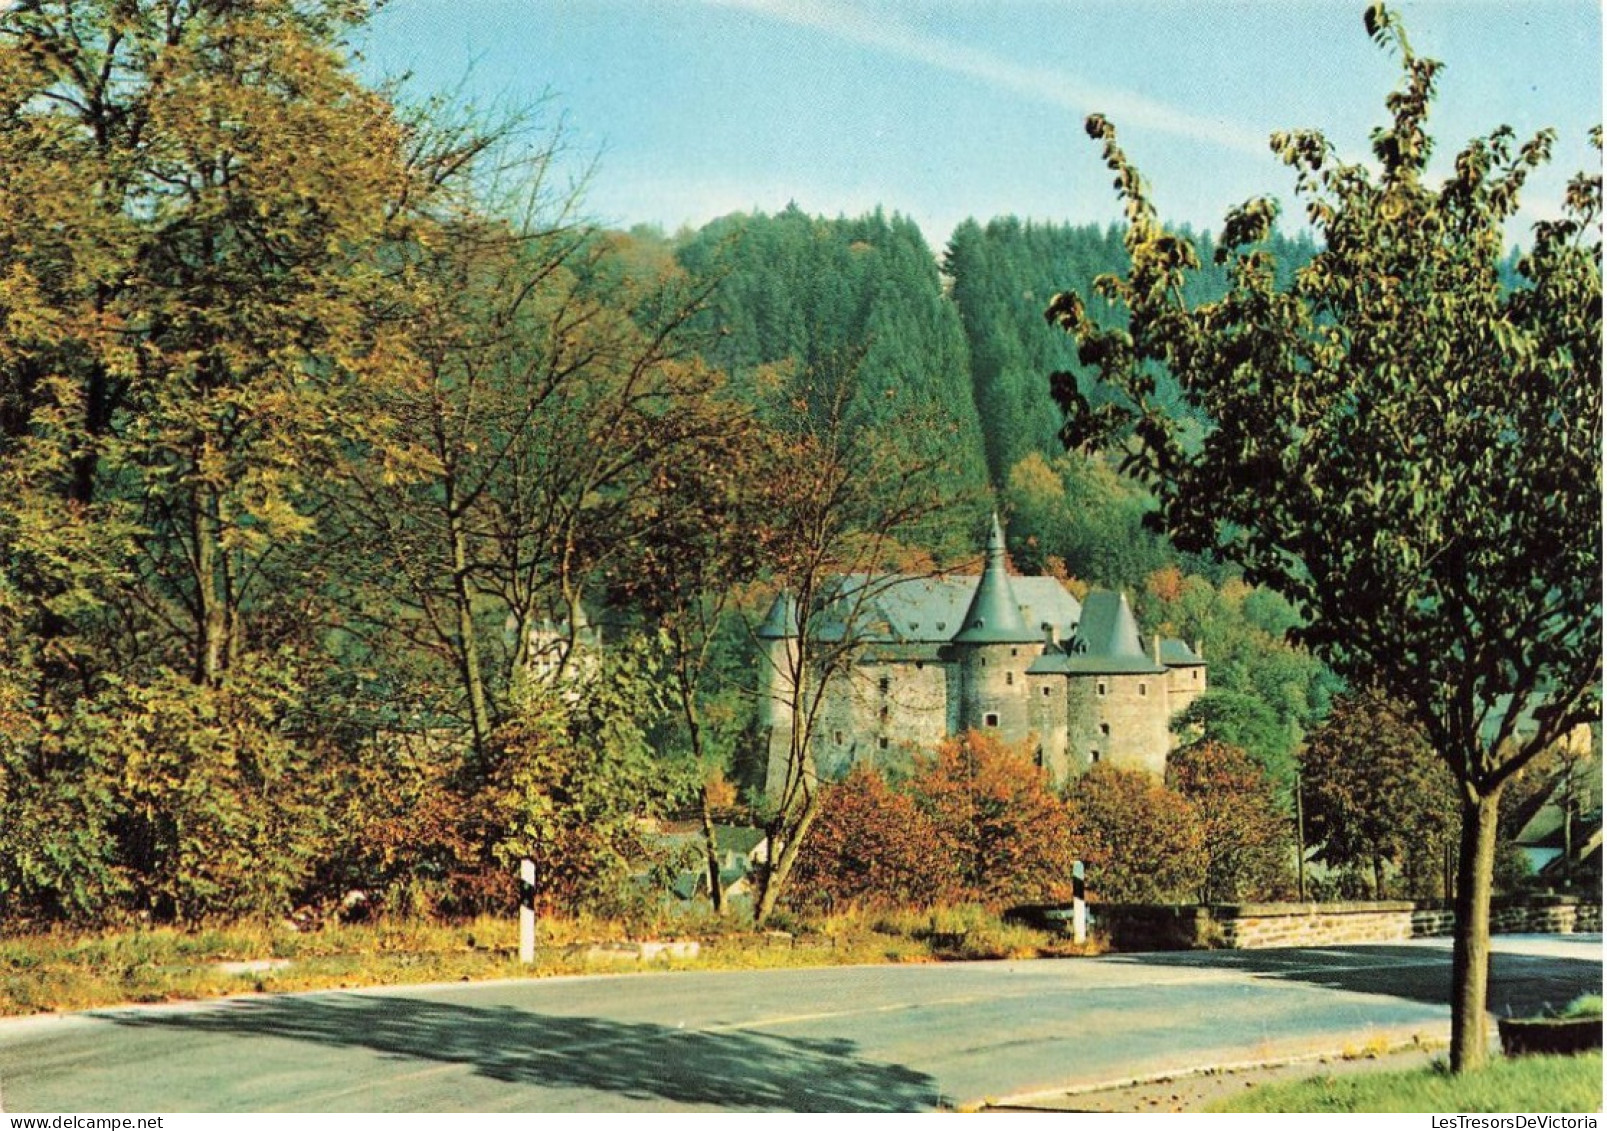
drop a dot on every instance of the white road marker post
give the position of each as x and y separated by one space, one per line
527 911
1079 905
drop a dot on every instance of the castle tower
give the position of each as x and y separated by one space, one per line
778 668
1129 685
994 649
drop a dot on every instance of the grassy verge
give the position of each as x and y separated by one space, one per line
61 971
1522 1084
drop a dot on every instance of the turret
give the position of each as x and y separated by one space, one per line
778 643
995 646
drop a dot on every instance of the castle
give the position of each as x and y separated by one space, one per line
1017 657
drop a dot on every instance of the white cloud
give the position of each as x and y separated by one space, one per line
1057 88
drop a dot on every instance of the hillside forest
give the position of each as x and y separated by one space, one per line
329 427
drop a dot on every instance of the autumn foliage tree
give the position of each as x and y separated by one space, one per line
873 847
842 503
1247 841
999 824
1140 841
197 205
1398 442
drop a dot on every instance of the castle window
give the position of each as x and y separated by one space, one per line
1143 689
1104 729
884 714
1196 674
1093 756
1101 689
881 743
837 737
1009 679
1015 652
990 720
1046 693
885 685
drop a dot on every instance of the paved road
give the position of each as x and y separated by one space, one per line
889 1038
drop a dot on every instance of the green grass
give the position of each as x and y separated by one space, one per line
1587 1006
1522 1084
63 971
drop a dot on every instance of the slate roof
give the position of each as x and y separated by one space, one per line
910 617
994 616
781 622
1176 654
904 609
1106 642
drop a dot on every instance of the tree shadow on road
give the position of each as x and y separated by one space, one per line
730 1069
1520 985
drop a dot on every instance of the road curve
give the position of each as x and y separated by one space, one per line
881 1038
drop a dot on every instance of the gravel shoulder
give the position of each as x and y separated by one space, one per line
1198 1090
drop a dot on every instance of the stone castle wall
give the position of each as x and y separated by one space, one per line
995 691
881 711
1183 686
1050 721
1133 720
879 714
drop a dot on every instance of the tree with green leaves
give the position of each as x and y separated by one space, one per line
189 355
1373 791
1245 723
1405 448
797 294
198 209
1246 836
842 511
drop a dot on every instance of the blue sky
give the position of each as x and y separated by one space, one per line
943 109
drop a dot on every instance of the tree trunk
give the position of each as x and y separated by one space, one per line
780 868
468 644
1378 875
1470 954
211 608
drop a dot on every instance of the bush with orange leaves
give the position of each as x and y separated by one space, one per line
872 848
999 823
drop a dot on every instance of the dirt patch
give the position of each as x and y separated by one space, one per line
1197 1091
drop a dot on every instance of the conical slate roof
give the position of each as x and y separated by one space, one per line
1109 628
995 615
1106 642
781 622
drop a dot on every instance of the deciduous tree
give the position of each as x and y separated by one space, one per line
1246 835
873 846
1373 790
1140 841
841 506
998 823
1406 448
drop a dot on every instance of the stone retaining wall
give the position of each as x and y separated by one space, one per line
1248 926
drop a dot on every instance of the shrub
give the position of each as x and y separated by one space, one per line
997 820
871 847
1247 841
1140 841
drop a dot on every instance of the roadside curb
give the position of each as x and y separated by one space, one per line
1368 1044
